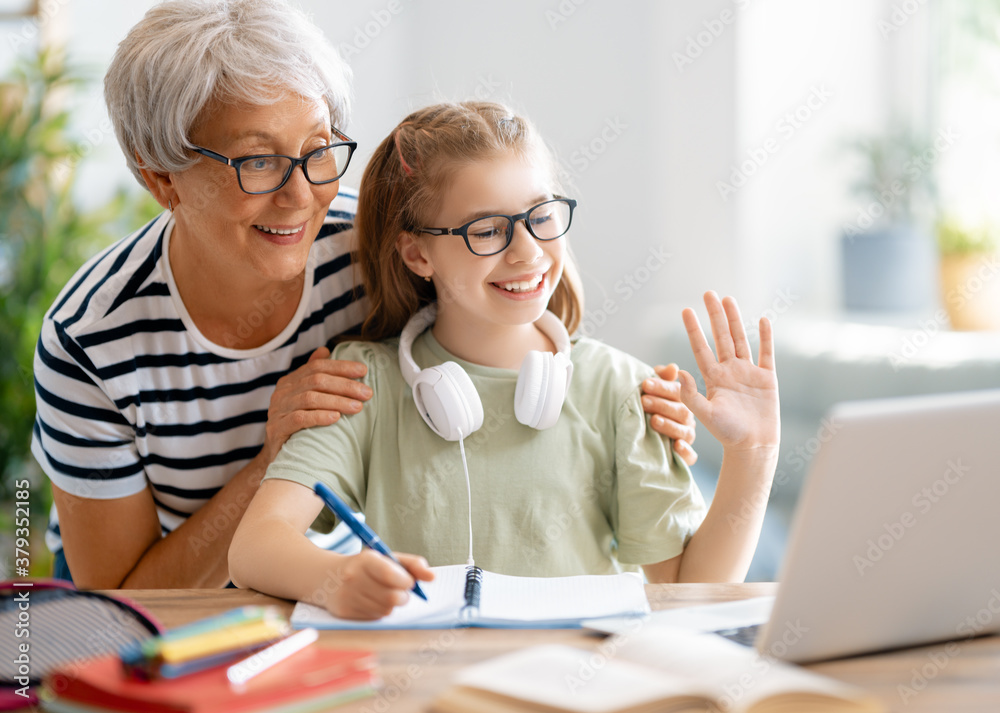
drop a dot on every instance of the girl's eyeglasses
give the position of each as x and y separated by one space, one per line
267 173
492 234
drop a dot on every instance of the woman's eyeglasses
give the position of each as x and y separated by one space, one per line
267 173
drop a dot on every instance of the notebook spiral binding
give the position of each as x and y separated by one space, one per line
473 587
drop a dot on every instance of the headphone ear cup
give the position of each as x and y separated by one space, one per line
448 401
541 389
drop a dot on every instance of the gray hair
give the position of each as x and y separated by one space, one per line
185 53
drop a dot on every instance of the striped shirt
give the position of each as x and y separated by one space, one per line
129 393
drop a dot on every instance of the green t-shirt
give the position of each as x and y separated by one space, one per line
597 489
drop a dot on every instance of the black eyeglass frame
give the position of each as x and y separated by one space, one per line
512 219
236 163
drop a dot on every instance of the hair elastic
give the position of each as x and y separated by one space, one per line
399 150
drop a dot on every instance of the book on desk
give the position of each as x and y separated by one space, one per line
656 669
315 679
461 596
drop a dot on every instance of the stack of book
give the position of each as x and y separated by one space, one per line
238 662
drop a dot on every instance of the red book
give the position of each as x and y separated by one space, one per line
303 681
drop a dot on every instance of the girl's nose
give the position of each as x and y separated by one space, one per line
523 246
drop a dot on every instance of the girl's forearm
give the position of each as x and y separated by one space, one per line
724 545
274 558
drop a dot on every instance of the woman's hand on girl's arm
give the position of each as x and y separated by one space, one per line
668 415
315 394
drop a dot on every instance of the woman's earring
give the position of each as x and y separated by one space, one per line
170 205
427 279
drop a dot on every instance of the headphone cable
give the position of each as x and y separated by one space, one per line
468 489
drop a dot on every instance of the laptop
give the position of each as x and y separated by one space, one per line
896 535
895 540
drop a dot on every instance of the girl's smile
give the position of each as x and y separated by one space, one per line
487 305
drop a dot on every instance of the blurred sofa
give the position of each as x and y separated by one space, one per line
822 362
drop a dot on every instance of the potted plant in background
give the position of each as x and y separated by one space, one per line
44 237
970 274
887 251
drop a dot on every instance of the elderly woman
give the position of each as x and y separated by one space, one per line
175 363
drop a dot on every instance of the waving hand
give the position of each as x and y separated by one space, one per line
740 405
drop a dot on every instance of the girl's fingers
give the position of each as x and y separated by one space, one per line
724 347
766 358
699 405
703 355
736 330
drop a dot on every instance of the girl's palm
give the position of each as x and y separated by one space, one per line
740 405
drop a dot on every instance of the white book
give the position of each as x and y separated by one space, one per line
656 669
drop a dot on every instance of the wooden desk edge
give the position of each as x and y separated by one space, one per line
200 603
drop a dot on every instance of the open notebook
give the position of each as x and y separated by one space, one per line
504 601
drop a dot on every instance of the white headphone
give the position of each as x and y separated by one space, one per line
448 401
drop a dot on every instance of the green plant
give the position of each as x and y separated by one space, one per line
956 238
897 173
44 238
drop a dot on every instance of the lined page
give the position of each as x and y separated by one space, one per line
541 599
445 598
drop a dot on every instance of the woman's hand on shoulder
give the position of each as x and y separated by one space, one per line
740 405
661 399
315 394
372 585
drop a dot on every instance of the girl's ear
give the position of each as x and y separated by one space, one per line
414 255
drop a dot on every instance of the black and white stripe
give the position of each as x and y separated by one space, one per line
130 394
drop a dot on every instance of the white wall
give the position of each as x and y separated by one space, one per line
649 103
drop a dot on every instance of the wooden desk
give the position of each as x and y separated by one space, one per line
417 665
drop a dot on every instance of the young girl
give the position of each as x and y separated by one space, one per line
460 209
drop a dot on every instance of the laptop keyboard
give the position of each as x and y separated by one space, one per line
744 635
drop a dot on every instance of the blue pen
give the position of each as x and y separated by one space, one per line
360 529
